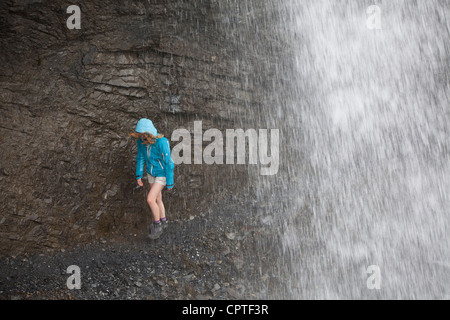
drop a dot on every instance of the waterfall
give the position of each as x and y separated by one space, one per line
366 126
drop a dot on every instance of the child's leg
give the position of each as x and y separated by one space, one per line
155 190
162 209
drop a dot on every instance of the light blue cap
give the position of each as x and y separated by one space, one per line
146 126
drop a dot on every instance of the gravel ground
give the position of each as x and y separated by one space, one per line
216 256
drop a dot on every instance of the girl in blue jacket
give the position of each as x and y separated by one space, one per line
153 151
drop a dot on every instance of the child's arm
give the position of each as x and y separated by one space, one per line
169 164
140 160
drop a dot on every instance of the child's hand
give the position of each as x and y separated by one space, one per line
139 182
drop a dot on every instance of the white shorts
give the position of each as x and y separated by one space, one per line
160 180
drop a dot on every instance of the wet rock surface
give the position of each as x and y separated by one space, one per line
193 259
69 99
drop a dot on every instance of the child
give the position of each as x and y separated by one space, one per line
153 150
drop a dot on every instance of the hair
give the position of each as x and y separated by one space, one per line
147 138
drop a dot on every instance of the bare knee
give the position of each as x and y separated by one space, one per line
151 200
159 198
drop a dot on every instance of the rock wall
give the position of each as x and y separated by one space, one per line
69 99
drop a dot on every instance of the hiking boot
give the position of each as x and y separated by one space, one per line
164 224
155 231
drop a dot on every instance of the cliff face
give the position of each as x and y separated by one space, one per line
69 99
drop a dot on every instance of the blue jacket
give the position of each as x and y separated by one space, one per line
157 158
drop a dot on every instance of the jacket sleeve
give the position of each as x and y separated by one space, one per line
168 163
140 160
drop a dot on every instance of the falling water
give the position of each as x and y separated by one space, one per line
365 151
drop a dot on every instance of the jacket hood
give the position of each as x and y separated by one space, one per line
146 126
